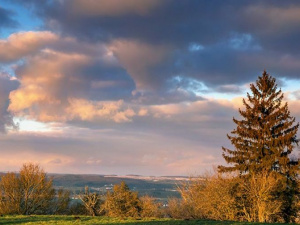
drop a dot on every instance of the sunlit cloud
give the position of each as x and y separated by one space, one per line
21 44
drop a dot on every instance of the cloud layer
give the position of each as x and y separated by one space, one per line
157 80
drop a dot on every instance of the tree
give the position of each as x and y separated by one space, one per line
91 201
264 139
10 198
122 202
37 191
61 203
30 192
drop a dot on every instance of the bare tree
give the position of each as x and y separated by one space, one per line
257 197
10 194
37 191
91 201
29 192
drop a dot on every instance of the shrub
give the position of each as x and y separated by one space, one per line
211 197
122 202
150 208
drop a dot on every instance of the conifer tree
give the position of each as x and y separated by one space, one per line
266 136
263 141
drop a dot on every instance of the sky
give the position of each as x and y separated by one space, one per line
136 87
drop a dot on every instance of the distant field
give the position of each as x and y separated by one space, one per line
86 220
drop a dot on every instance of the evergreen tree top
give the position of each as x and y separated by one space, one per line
266 135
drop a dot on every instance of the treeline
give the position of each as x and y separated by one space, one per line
215 197
31 192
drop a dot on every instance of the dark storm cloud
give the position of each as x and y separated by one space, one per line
106 83
178 22
214 42
6 86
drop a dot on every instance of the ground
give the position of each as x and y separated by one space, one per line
86 220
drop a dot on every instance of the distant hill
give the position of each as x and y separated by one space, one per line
159 187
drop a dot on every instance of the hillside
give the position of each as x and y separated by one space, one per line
159 187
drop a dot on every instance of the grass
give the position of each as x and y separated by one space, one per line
84 220
87 220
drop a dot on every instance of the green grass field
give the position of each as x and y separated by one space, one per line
86 220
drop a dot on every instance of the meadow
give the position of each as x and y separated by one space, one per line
88 220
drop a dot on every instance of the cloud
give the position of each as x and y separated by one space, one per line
7 84
198 111
138 59
112 7
19 148
21 44
294 109
87 111
229 88
154 154
44 84
277 17
181 38
54 87
128 78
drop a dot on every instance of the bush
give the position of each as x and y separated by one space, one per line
260 197
150 208
211 197
179 209
252 198
122 202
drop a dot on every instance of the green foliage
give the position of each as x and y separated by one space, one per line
122 202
